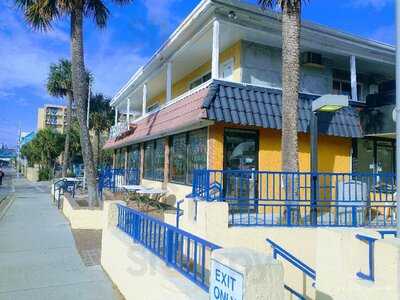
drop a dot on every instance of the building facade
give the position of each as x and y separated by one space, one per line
210 97
52 116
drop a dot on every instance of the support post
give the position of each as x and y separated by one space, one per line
353 71
166 163
116 116
144 102
398 115
169 82
128 110
215 51
314 166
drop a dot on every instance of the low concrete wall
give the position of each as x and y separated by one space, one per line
32 174
82 217
136 272
335 254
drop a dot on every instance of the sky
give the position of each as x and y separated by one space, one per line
133 34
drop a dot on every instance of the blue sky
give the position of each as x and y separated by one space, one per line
133 34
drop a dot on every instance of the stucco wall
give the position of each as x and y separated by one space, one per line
335 254
32 174
137 272
82 217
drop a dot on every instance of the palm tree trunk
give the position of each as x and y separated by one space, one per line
290 85
98 138
67 136
80 89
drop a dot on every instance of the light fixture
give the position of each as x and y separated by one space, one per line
329 103
232 15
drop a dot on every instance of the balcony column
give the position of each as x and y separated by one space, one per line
215 51
144 102
169 82
116 116
353 78
128 110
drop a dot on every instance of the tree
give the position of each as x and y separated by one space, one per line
44 149
41 14
59 84
101 118
291 14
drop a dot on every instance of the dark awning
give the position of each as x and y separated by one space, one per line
249 105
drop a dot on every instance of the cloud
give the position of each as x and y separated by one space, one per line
162 13
376 4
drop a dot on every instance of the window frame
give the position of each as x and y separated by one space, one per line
187 134
341 81
151 174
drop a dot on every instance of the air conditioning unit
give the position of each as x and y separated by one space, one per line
312 59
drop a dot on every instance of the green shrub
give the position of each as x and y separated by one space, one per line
45 174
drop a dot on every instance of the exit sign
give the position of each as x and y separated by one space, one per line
225 283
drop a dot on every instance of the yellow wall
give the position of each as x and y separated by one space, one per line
182 85
333 152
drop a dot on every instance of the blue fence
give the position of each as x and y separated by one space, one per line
300 199
188 254
114 179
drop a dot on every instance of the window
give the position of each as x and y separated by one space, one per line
154 160
153 107
343 87
134 157
200 80
119 158
188 152
226 69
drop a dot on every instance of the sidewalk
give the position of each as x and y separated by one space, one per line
38 258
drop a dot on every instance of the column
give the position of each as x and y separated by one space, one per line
353 75
144 103
215 51
169 82
116 116
128 110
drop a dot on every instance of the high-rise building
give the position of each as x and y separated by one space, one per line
52 116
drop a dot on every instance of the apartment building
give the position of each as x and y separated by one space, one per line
52 116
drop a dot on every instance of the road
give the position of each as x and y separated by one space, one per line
38 258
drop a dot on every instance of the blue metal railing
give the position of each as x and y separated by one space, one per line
60 187
267 198
113 179
371 257
294 261
187 253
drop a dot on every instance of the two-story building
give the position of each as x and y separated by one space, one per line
211 97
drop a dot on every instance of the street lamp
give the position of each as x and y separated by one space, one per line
327 104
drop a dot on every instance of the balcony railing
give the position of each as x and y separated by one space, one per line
300 199
118 129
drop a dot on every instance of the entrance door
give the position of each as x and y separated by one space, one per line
240 153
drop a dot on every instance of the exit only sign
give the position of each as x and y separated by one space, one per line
225 283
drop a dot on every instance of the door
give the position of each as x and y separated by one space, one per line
385 157
240 154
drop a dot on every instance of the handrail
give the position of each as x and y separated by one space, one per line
278 250
179 213
371 257
387 232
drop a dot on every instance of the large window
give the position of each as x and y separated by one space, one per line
119 158
188 152
154 160
134 157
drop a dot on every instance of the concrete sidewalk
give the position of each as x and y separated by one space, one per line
38 258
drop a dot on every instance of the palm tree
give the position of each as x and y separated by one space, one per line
101 118
41 14
59 84
291 14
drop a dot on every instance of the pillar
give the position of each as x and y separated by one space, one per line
144 101
353 75
215 51
169 82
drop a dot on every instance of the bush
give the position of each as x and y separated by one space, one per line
45 174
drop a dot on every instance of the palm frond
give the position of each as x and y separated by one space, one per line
98 11
40 13
272 4
122 2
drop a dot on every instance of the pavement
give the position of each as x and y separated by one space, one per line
38 257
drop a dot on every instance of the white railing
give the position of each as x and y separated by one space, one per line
118 129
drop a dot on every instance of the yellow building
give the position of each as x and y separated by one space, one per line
52 116
211 98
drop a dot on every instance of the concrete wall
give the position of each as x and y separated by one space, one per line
82 217
138 273
262 65
32 174
335 254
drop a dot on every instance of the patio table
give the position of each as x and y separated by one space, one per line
157 193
